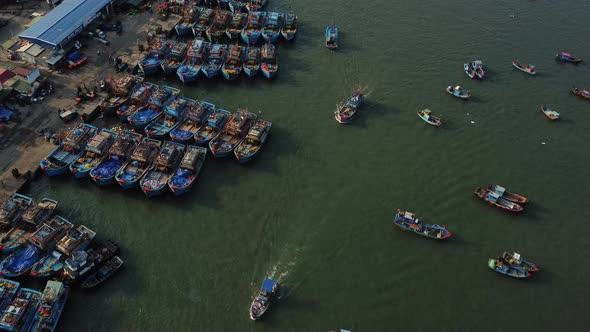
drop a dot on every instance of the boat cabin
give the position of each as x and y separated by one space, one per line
167 158
159 97
98 142
268 52
50 230
493 196
238 122
499 190
190 159
198 50
179 50
141 92
205 17
216 119
176 106
77 137
218 51
142 153
256 133
123 84
77 239
268 287
238 21
122 146
82 261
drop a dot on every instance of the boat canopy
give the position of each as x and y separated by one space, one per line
493 196
52 291
565 55
268 285
77 136
98 142
190 158
500 190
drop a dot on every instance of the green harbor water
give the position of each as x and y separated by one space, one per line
315 209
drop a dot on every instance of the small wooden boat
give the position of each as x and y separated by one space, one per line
195 117
237 24
232 67
268 61
516 198
493 198
478 68
264 299
195 57
174 112
219 25
514 259
141 160
217 56
118 155
582 93
49 266
12 209
96 150
189 169
173 62
347 112
529 69
552 115
289 29
251 32
76 239
469 70
252 62
272 27
21 311
203 22
52 304
332 37
8 289
104 272
233 133
255 139
72 148
156 178
427 116
408 221
215 122
504 268
566 57
458 92
40 212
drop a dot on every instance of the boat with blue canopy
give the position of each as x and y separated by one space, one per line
529 69
458 92
237 24
13 208
233 133
495 199
264 298
252 62
251 32
19 314
156 178
140 161
289 29
408 221
8 289
469 70
173 62
272 27
49 266
215 60
174 112
232 67
502 267
195 117
255 139
427 116
268 61
219 25
154 108
72 148
203 21
332 37
138 99
196 55
53 300
188 170
104 173
96 150
32 218
566 57
119 92
188 19
215 122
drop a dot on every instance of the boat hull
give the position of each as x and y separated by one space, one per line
54 171
80 174
229 76
187 75
182 30
251 72
153 192
269 74
250 39
151 69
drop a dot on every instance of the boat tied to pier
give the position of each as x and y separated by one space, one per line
215 123
72 148
52 303
232 67
196 116
233 133
95 151
268 60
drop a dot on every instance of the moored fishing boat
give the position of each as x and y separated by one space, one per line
501 267
219 25
104 172
529 69
289 29
19 314
215 60
173 62
150 64
332 37
264 298
478 68
140 161
272 27
268 60
237 24
95 151
195 57
236 6
255 5
138 98
156 178
196 116
8 289
53 300
232 67
188 170
104 272
251 32
581 93
174 111
233 133
154 108
458 92
566 57
493 198
469 70
12 209
76 239
72 148
119 93
549 113
516 198
514 259
203 21
252 61
427 116
49 266
82 263
33 217
347 112
255 139
408 221
188 19
215 122
40 212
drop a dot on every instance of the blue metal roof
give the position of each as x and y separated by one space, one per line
268 284
63 23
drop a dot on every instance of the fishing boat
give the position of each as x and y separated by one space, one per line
232 67
501 267
49 266
529 69
172 63
289 29
154 107
203 21
188 170
76 239
156 178
255 139
469 70
82 263
96 150
566 57
551 114
174 111
347 112
46 236
195 57
216 58
408 221
53 300
233 133
104 173
40 212
237 6
252 62
254 5
13 208
195 117
119 93
264 298
141 160
582 93
427 116
514 259
32 218
219 25
215 122
251 32
150 64
516 198
478 68
237 24
72 148
493 198
138 99
104 272
8 289
268 61
19 314
188 19
458 92
272 27
332 37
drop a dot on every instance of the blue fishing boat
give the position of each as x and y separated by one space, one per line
215 122
195 117
76 239
408 221
566 57
119 93
96 150
272 27
150 64
188 170
347 112
32 218
141 160
174 111
251 32
188 19
502 267
203 21
82 263
289 29
237 24
72 148
216 58
264 299
269 64
53 300
426 116
332 37
13 208
458 92
195 57
138 97
232 67
154 108
252 62
474 69
233 133
219 25
8 289
173 62
156 178
49 266
104 173
255 139
19 314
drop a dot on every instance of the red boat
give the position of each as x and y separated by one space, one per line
496 200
